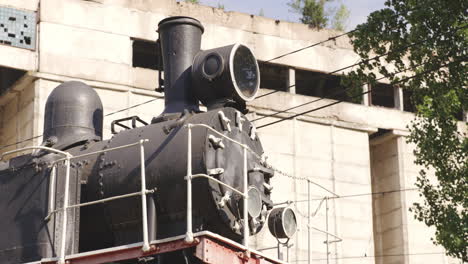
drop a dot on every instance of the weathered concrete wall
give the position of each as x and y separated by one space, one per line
18 58
388 208
320 152
18 118
343 114
418 234
113 23
399 237
31 5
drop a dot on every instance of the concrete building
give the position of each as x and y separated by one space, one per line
350 149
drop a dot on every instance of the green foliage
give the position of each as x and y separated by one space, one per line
193 1
427 41
220 6
261 12
339 19
314 13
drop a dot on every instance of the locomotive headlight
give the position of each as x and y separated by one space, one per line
225 74
282 222
254 201
245 76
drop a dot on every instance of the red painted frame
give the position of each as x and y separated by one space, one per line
209 247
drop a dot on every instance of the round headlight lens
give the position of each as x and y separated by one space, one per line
246 75
282 222
255 202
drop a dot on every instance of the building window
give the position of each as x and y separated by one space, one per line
146 54
273 76
408 104
322 85
382 95
8 76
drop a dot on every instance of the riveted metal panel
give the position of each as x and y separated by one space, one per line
17 28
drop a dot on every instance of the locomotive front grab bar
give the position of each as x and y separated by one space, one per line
34 147
189 233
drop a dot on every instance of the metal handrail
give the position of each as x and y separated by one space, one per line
66 191
99 201
189 233
104 150
68 157
34 147
189 236
219 182
224 136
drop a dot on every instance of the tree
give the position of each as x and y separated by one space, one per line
426 40
261 12
340 18
315 14
193 1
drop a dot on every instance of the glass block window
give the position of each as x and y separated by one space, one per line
17 28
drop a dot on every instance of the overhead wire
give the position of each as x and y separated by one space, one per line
19 142
281 56
118 111
322 199
314 45
345 68
357 195
339 70
275 58
351 97
133 106
311 46
323 41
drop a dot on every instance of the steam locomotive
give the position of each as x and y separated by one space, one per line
35 186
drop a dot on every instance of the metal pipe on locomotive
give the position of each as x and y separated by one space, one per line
53 206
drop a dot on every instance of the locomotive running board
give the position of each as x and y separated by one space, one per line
210 248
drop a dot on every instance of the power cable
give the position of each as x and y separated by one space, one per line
312 110
286 54
311 46
352 97
19 142
319 99
292 52
263 95
133 106
358 195
324 41
344 68
348 67
118 111
322 199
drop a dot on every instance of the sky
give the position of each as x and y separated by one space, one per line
278 9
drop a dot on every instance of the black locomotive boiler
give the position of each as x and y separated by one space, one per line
32 186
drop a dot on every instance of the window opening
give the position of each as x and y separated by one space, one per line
146 54
273 76
382 95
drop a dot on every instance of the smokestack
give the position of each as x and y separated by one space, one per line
180 41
